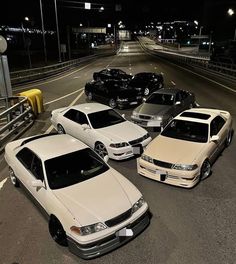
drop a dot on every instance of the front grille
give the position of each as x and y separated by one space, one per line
145 117
136 141
163 164
119 219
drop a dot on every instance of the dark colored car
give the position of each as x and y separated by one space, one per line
111 74
113 93
161 106
147 82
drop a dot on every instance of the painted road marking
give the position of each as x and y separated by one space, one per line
76 77
162 73
62 97
53 80
72 103
2 183
173 82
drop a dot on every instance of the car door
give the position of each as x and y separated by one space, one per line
30 165
179 107
72 123
217 129
101 92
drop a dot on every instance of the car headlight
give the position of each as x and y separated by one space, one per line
122 99
146 136
89 229
147 158
119 145
159 118
184 167
138 205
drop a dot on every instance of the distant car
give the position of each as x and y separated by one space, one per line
87 203
111 74
185 150
101 128
113 93
146 82
161 106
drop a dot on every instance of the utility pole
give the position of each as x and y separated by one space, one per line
43 32
58 35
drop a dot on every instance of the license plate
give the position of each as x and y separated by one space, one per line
162 175
124 232
138 149
133 103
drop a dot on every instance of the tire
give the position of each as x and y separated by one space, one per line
205 169
160 85
190 106
112 103
90 96
60 129
100 149
13 178
146 91
57 231
229 138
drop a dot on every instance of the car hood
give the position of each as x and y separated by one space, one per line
122 132
98 199
153 109
174 150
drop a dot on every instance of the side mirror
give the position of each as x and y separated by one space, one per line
37 184
144 100
123 115
106 158
178 103
214 138
85 126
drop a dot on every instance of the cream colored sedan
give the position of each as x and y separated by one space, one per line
184 152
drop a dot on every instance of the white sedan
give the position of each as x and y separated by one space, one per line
89 205
101 128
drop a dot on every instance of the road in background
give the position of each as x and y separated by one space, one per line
188 226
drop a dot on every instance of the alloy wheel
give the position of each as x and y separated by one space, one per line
101 150
90 96
146 91
112 103
13 178
205 170
60 129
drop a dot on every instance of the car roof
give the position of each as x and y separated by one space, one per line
89 108
201 115
168 91
54 146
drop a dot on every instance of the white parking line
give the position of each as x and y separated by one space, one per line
2 183
52 80
72 103
173 82
64 96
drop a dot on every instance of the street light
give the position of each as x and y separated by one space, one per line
58 35
199 38
43 32
230 13
26 43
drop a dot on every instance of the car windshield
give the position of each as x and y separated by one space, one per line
73 168
161 99
105 118
186 130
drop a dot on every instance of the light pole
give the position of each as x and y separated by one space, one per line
58 35
210 40
231 13
199 38
43 32
26 44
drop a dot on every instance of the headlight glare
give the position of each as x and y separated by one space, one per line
119 145
185 167
138 205
147 158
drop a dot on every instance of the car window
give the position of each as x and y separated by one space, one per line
37 168
71 114
25 156
160 99
178 97
81 118
216 124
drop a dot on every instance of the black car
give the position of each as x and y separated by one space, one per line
112 92
111 74
147 82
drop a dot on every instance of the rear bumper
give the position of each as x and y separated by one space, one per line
125 104
109 243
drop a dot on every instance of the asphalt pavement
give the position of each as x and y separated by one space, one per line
196 226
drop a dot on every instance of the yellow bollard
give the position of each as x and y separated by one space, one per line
35 99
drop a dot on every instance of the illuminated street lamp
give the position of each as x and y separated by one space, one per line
26 43
230 11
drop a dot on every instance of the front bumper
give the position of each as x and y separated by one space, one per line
148 122
128 104
109 243
173 177
125 152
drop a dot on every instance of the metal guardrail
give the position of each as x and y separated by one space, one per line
15 120
221 69
34 74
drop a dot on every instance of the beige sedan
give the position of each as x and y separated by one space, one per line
184 152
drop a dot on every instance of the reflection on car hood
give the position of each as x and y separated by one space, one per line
174 150
97 199
153 109
122 132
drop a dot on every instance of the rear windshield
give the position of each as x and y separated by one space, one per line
161 99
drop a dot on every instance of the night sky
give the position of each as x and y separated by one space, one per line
211 14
